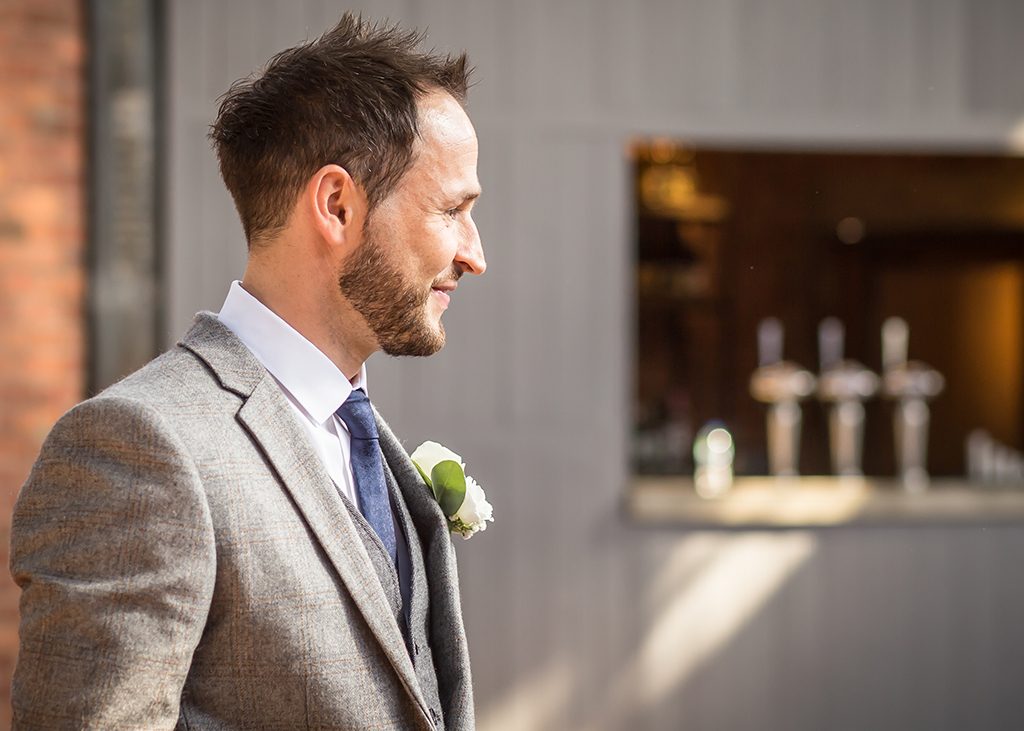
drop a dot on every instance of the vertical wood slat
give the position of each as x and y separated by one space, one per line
993 47
941 69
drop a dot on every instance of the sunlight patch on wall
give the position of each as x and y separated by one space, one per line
537 701
709 608
1017 137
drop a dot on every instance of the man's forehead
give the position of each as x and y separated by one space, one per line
445 152
444 122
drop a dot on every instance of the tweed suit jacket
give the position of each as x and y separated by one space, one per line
185 562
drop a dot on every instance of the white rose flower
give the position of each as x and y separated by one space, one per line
472 517
473 512
428 454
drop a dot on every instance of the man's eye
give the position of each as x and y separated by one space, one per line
453 212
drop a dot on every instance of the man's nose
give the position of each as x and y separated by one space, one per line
470 255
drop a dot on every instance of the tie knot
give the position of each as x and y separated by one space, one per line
357 414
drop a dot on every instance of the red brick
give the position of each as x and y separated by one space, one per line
42 241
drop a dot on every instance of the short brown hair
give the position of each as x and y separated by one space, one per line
348 98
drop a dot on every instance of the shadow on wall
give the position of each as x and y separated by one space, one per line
708 589
892 629
823 630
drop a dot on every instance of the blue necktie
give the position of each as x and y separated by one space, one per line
368 469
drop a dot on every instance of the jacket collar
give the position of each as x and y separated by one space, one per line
233 364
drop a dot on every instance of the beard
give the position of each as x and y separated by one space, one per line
394 308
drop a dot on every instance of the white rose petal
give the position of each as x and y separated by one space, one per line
428 454
475 510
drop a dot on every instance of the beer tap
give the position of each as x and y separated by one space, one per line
845 385
782 385
911 385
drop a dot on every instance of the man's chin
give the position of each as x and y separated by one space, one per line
423 343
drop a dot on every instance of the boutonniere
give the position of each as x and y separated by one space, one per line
461 499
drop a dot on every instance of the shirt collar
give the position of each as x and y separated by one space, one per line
300 367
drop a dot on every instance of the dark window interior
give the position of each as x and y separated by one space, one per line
726 238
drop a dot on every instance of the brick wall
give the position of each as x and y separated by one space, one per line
42 242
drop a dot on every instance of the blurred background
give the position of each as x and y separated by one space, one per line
660 177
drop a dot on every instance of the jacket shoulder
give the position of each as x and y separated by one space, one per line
176 377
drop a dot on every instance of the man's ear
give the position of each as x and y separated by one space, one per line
337 204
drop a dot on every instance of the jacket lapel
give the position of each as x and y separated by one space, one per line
266 414
448 635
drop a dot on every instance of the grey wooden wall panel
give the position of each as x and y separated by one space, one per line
940 43
783 58
994 41
563 598
206 248
565 71
896 634
873 59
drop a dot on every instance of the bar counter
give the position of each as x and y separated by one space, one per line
757 503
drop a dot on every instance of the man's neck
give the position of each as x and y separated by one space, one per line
313 321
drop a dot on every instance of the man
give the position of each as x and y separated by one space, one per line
228 538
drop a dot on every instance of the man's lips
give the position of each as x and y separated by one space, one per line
441 293
441 297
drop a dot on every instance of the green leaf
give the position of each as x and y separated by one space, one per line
424 475
449 483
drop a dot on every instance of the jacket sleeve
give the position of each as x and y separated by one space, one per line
112 545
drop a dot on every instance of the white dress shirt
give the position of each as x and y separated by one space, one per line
313 384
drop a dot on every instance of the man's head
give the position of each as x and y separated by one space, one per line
349 98
352 158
